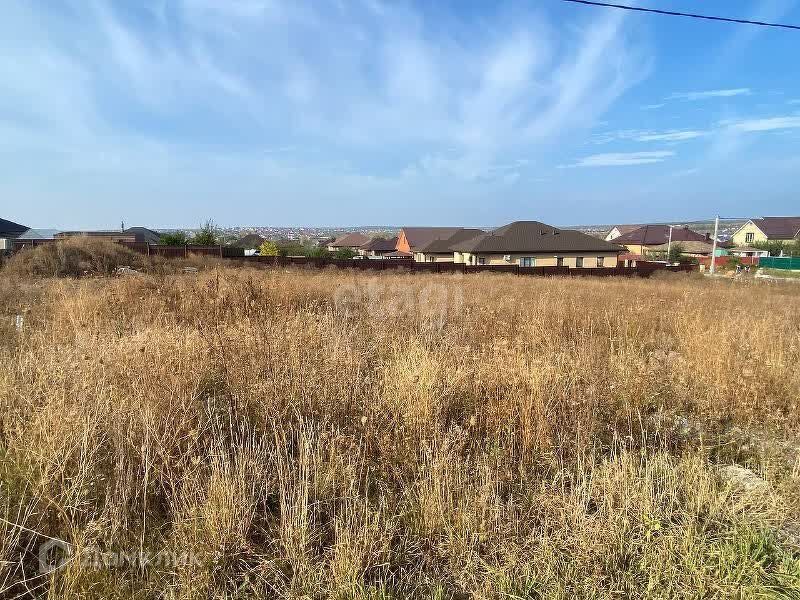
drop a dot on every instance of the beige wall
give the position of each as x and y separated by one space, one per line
543 260
437 257
740 237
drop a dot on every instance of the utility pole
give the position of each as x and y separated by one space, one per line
669 242
714 246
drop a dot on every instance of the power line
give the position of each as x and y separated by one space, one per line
682 14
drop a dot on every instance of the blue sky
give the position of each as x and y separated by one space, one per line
279 112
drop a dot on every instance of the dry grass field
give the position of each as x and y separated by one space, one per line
324 434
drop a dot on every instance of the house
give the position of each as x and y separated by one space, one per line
143 234
411 239
441 249
9 231
535 244
656 238
618 230
688 248
767 229
378 247
351 241
113 236
747 252
251 241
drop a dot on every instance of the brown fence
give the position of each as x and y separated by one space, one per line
642 268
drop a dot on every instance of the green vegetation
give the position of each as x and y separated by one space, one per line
777 248
675 252
344 253
207 236
268 248
175 238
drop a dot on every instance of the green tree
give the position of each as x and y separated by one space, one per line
268 248
675 252
344 253
176 238
317 252
207 236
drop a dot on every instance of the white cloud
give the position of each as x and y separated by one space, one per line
709 94
772 124
622 159
652 106
671 136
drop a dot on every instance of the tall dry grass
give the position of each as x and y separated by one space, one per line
305 434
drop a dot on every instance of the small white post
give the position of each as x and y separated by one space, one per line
714 246
19 322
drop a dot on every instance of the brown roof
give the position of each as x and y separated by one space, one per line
655 235
779 228
444 245
623 229
689 247
351 240
422 236
533 236
251 240
380 244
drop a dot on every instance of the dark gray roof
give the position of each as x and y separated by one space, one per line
143 234
11 229
533 236
380 244
422 236
251 240
38 234
444 245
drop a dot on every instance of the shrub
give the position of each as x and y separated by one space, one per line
268 248
176 238
207 236
74 257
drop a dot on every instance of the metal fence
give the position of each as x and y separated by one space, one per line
789 263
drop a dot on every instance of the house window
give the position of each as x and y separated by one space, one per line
559 261
527 261
481 260
579 261
600 261
749 237
431 258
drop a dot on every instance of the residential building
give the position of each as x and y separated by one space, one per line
10 231
654 239
441 249
747 252
351 241
143 234
535 244
251 241
618 230
767 229
412 239
378 247
113 236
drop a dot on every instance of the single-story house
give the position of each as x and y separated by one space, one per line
441 249
131 234
251 241
378 247
689 248
747 251
535 244
10 231
33 237
767 229
618 230
143 234
655 238
411 239
351 241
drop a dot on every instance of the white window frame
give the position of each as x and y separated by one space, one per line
749 237
601 261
